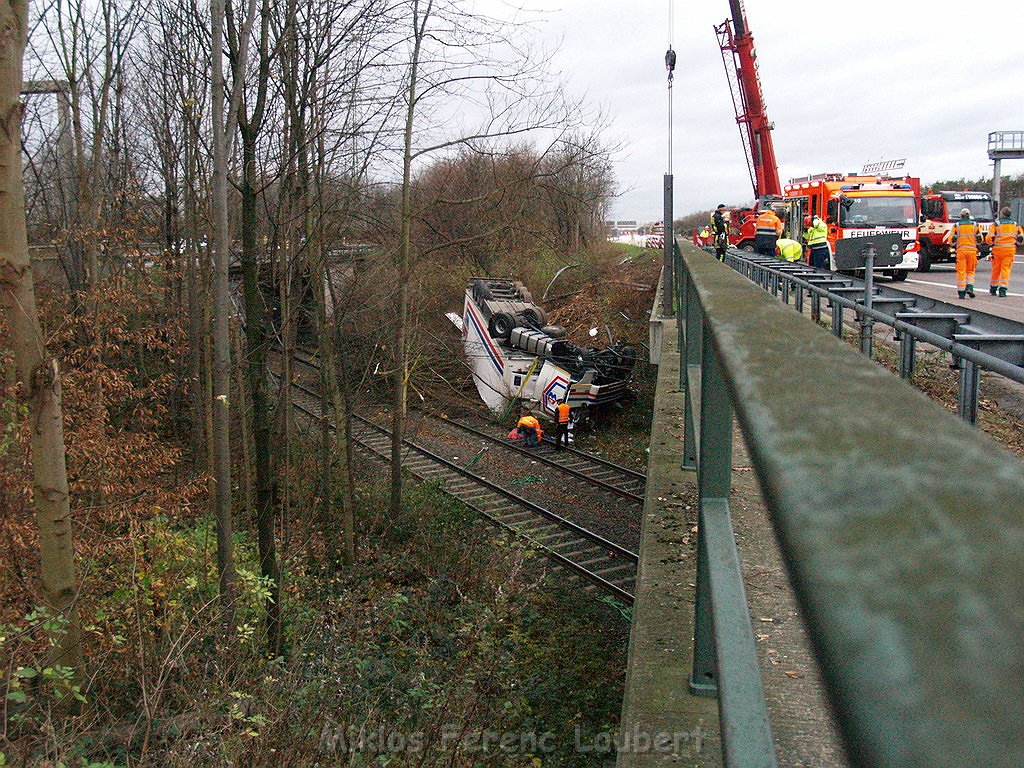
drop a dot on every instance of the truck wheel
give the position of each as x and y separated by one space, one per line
501 326
899 275
924 261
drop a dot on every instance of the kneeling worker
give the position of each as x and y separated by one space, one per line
529 428
788 250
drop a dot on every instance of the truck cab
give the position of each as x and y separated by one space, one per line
939 211
857 206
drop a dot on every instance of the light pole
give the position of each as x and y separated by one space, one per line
668 288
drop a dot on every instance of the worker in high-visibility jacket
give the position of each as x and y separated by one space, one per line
816 235
788 250
1004 235
562 412
529 428
964 238
766 231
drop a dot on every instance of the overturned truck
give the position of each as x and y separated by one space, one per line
515 353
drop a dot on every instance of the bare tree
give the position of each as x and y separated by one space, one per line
37 371
225 119
469 82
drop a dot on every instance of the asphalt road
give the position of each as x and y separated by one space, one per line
940 283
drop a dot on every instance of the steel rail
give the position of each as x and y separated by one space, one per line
609 548
632 475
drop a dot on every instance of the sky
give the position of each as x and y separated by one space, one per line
845 83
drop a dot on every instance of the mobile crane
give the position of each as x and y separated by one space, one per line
740 59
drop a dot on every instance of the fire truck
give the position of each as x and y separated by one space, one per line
939 211
859 206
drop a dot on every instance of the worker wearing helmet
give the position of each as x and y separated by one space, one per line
788 250
720 228
1004 235
766 232
964 238
816 235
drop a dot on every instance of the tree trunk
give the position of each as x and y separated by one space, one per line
37 371
221 335
400 370
256 348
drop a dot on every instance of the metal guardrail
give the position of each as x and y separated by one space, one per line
902 530
976 340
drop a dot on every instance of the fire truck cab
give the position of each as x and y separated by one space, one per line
939 211
861 206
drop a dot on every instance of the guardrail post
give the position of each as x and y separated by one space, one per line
837 319
725 657
908 345
682 282
691 359
714 479
867 323
815 307
967 398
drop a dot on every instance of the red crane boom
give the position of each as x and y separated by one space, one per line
740 59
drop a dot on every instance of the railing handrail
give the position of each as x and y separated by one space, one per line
902 529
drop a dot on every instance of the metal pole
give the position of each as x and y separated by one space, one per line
667 309
668 239
967 401
997 181
867 323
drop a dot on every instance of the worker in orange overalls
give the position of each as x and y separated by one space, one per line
529 428
964 238
562 411
1004 236
766 232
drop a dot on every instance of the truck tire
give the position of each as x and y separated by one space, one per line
924 259
501 326
899 275
534 316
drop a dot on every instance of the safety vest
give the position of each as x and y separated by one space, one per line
768 224
529 421
965 236
817 233
1004 232
790 250
563 413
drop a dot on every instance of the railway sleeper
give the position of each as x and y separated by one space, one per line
575 549
605 572
604 557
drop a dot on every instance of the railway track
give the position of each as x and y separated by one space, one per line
608 566
611 477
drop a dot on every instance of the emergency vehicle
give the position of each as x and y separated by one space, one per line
939 212
859 206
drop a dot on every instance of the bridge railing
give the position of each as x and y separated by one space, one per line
975 340
902 529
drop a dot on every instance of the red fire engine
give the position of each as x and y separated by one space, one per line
939 211
859 206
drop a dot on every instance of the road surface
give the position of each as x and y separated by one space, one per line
940 283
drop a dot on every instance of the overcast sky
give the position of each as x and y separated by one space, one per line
845 84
